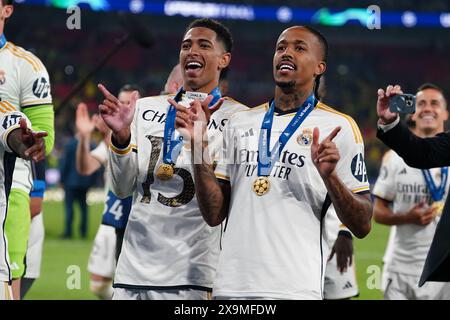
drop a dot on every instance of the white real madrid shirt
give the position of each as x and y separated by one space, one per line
8 122
405 187
167 243
24 82
275 246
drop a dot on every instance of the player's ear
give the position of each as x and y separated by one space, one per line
225 60
320 68
445 115
8 11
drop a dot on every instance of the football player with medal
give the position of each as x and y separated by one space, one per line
274 243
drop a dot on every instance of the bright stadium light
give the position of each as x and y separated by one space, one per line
284 14
137 6
409 19
445 20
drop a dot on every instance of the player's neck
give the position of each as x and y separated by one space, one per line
205 89
287 101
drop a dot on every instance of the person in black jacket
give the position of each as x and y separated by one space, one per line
420 153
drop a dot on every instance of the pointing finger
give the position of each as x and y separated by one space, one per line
108 95
332 135
316 135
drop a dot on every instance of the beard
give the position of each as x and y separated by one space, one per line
286 85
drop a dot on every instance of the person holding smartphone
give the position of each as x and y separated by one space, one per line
423 153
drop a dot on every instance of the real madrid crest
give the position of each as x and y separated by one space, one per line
305 138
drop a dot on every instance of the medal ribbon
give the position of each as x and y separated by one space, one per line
437 193
172 146
267 158
2 41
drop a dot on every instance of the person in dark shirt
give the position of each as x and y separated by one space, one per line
75 188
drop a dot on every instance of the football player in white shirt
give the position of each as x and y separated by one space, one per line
275 242
24 86
415 211
169 252
16 139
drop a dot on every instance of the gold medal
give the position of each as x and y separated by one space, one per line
261 186
165 172
437 207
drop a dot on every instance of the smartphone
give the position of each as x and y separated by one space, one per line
402 103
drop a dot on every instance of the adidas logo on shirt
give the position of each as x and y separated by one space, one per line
403 171
347 285
248 133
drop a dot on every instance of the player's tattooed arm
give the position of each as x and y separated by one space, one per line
213 196
354 210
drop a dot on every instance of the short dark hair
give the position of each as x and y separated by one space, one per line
131 88
324 46
222 32
430 85
6 2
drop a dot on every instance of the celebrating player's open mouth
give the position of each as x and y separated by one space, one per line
285 68
193 68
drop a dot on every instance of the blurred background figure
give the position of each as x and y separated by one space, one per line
75 188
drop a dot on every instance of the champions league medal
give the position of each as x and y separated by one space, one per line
261 186
165 172
437 207
437 193
267 158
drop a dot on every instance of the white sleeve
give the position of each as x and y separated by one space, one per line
123 163
10 121
385 187
34 83
101 153
351 168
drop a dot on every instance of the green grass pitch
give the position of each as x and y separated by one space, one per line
62 257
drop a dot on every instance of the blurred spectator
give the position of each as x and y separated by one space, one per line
75 188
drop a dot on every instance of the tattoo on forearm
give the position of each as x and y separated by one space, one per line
355 211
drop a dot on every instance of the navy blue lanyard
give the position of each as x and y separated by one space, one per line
172 146
437 193
267 158
2 41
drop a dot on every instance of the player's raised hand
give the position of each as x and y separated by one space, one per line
117 115
34 140
192 121
85 125
207 110
383 112
325 155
